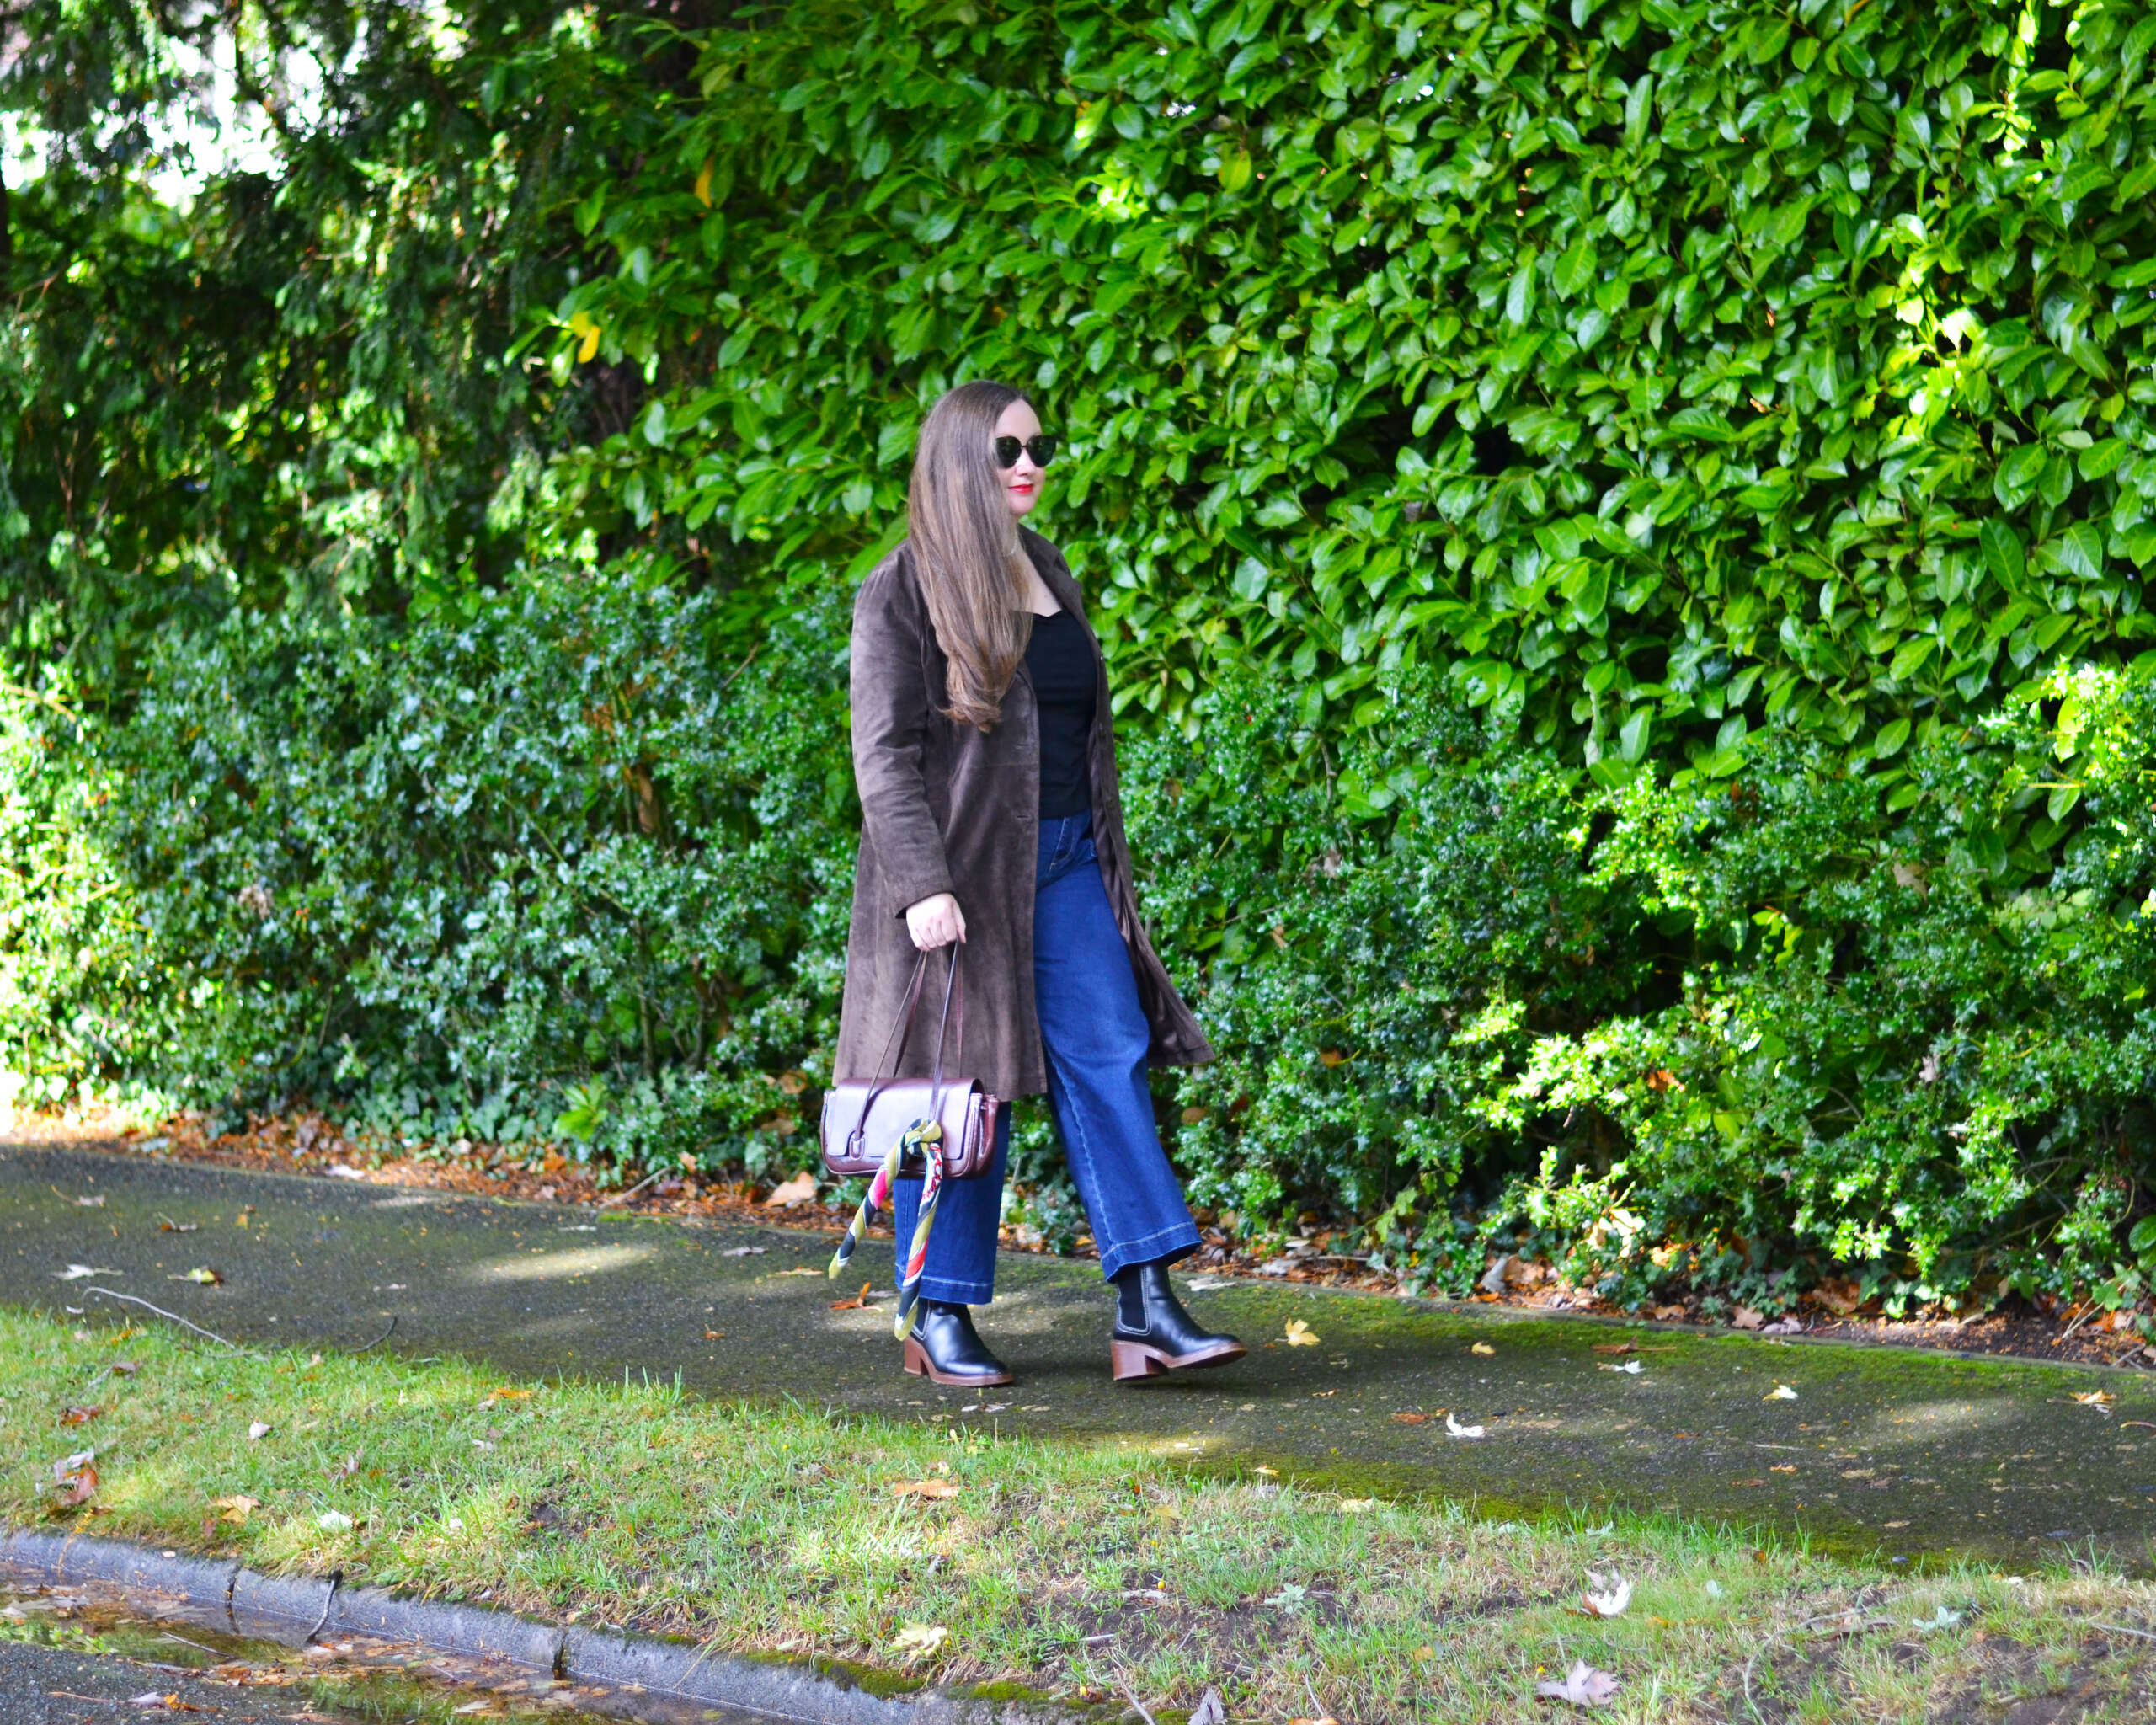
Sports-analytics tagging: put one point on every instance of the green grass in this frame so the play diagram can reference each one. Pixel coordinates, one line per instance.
(1088, 1572)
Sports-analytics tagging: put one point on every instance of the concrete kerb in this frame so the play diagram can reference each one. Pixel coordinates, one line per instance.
(293, 1610)
(69, 1560)
(453, 1629)
(784, 1692)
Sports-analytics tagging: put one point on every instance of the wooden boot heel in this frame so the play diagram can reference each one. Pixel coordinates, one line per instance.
(1134, 1360)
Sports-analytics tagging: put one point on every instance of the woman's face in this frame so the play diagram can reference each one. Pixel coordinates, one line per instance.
(1021, 482)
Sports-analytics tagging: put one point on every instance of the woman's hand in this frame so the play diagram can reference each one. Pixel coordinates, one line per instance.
(936, 922)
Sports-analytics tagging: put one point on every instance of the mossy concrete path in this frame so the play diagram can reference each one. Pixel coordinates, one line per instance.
(1901, 1453)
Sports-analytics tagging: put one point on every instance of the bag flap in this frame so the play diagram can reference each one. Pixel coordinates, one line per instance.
(897, 1106)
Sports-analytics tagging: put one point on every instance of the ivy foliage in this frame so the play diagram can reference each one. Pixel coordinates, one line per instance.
(1660, 372)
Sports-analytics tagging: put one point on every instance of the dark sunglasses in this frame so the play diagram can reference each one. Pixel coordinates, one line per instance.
(1042, 449)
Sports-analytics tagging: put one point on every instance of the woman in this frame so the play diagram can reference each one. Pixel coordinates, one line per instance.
(990, 824)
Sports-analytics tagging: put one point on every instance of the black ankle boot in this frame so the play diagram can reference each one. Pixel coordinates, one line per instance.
(945, 1349)
(1153, 1333)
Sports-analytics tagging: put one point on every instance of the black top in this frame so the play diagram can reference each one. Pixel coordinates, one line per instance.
(1061, 662)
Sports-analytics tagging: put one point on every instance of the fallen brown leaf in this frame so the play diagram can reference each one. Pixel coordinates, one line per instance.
(1410, 1419)
(79, 1416)
(205, 1276)
(855, 1304)
(1616, 1347)
(800, 1189)
(76, 1477)
(237, 1508)
(926, 1489)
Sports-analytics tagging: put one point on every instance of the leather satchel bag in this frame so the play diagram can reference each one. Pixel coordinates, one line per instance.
(864, 1118)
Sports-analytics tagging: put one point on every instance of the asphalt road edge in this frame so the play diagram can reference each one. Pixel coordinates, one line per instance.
(294, 1610)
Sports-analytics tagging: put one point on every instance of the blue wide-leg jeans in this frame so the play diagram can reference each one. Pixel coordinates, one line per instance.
(1095, 1037)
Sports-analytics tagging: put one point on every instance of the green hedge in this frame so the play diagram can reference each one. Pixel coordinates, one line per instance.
(564, 867)
(552, 855)
(1619, 532)
(1660, 372)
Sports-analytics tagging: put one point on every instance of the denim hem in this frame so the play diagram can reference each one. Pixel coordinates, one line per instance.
(1170, 1243)
(955, 1293)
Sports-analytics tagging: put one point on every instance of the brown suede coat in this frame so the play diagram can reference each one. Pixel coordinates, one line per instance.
(945, 809)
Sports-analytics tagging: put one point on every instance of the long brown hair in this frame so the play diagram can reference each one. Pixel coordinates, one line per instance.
(968, 552)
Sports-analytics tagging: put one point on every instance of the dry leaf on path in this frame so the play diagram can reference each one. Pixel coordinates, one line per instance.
(2096, 1398)
(1410, 1419)
(1300, 1335)
(860, 1299)
(926, 1489)
(1616, 1347)
(1583, 1686)
(79, 1416)
(205, 1276)
(1781, 1393)
(800, 1189)
(801, 1269)
(1456, 1429)
(1210, 1710)
(237, 1508)
(1482, 1348)
(1607, 1595)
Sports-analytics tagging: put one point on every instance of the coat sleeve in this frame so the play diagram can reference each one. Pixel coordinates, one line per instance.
(890, 728)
